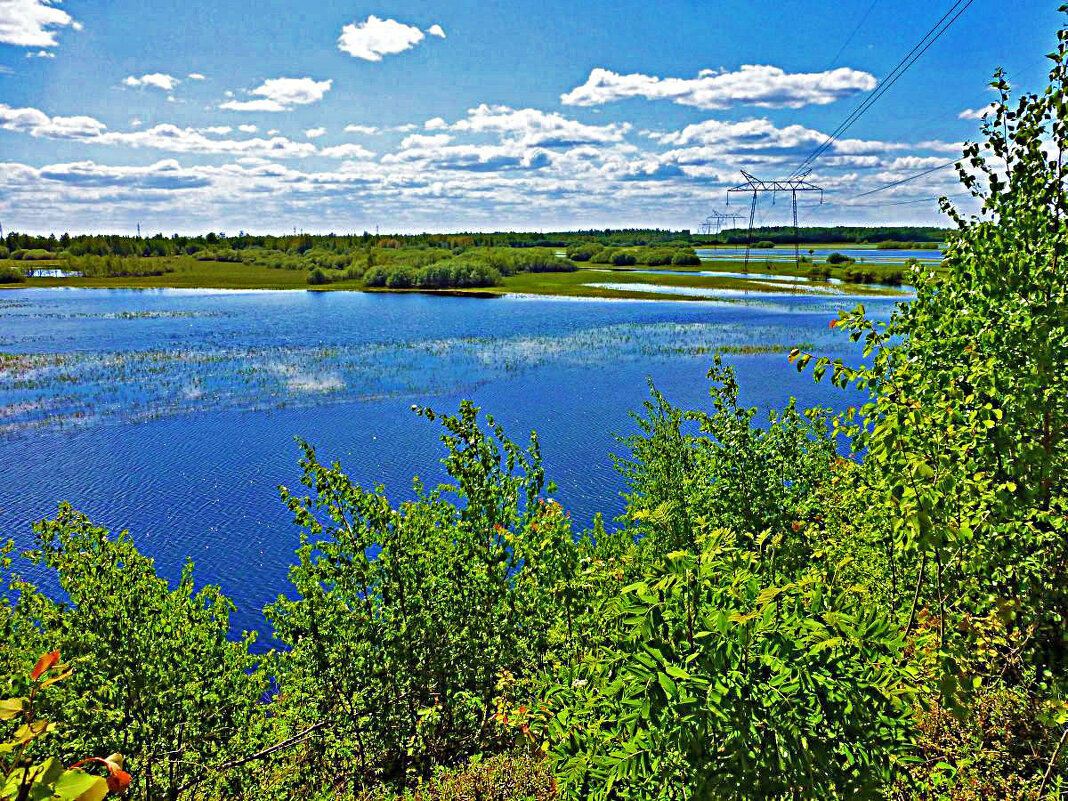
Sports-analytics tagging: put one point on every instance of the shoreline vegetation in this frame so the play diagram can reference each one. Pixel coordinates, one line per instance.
(574, 265)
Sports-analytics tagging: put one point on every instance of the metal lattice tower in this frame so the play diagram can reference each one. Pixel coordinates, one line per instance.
(715, 222)
(793, 185)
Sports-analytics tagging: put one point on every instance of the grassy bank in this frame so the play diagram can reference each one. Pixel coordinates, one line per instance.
(238, 275)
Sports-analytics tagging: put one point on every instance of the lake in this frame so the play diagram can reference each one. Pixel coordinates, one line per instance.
(785, 253)
(174, 413)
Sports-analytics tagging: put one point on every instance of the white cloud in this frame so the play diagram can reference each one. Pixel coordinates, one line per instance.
(315, 133)
(374, 38)
(422, 140)
(216, 130)
(247, 128)
(157, 80)
(346, 151)
(196, 76)
(435, 124)
(281, 94)
(362, 129)
(41, 54)
(758, 85)
(977, 113)
(38, 124)
(534, 127)
(253, 105)
(32, 23)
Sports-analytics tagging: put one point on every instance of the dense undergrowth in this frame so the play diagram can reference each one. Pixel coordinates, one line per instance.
(770, 619)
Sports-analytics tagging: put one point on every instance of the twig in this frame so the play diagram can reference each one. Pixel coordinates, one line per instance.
(296, 739)
(1052, 764)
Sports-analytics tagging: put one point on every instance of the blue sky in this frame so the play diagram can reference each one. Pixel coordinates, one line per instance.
(261, 116)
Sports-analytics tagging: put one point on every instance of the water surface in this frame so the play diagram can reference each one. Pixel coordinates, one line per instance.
(174, 413)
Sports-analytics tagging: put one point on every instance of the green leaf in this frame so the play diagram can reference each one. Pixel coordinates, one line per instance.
(77, 785)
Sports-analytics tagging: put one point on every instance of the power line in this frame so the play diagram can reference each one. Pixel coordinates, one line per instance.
(906, 180)
(892, 77)
(854, 33)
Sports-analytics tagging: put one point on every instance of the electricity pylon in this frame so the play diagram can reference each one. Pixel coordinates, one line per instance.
(793, 185)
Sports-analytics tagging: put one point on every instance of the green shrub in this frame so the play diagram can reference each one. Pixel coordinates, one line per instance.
(317, 277)
(709, 659)
(33, 255)
(686, 259)
(583, 251)
(623, 259)
(402, 619)
(375, 277)
(764, 244)
(401, 278)
(838, 258)
(11, 275)
(154, 669)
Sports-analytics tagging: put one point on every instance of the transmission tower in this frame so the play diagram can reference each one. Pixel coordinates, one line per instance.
(715, 222)
(793, 185)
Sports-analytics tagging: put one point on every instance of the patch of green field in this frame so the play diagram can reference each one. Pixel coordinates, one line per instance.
(236, 275)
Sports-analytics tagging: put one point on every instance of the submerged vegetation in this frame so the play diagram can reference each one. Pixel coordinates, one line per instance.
(871, 605)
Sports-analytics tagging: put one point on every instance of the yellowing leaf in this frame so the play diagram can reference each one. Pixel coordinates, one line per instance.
(12, 707)
(77, 785)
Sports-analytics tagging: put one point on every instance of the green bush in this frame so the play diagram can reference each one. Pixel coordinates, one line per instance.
(11, 275)
(838, 258)
(717, 678)
(764, 244)
(687, 259)
(624, 259)
(317, 277)
(583, 251)
(33, 255)
(154, 669)
(403, 618)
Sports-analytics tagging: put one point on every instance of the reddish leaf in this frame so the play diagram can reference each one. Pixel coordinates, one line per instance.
(119, 781)
(46, 662)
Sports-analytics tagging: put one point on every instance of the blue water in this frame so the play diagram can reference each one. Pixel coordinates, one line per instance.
(173, 413)
(786, 253)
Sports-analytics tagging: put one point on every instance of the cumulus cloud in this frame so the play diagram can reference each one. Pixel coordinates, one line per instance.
(314, 133)
(423, 140)
(346, 151)
(196, 76)
(167, 174)
(247, 128)
(281, 94)
(976, 113)
(362, 129)
(534, 127)
(32, 23)
(170, 137)
(374, 38)
(157, 80)
(752, 84)
(41, 54)
(38, 124)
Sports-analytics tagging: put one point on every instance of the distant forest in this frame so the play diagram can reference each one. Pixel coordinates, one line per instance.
(160, 245)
